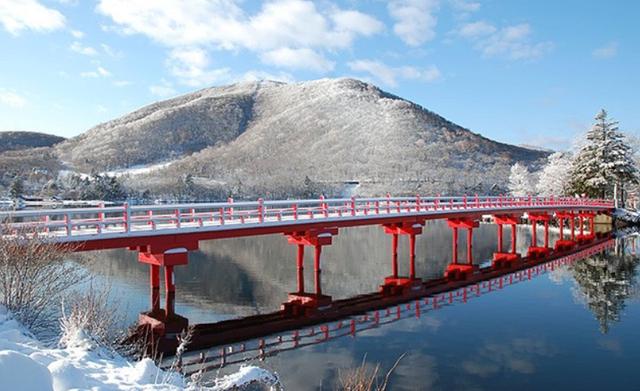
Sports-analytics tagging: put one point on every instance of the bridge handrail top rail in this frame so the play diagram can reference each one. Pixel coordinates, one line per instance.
(300, 202)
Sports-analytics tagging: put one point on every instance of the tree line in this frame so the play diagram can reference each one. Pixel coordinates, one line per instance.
(603, 165)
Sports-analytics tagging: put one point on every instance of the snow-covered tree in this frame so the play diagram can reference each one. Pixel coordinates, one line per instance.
(520, 183)
(605, 160)
(556, 175)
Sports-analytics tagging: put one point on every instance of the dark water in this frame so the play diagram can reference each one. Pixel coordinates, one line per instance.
(576, 327)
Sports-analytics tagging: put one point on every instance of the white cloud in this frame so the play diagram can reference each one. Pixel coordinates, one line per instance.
(390, 75)
(99, 72)
(356, 22)
(77, 34)
(476, 29)
(108, 50)
(222, 23)
(285, 33)
(11, 99)
(101, 109)
(607, 51)
(303, 58)
(415, 21)
(86, 50)
(464, 6)
(191, 67)
(19, 15)
(513, 42)
(163, 90)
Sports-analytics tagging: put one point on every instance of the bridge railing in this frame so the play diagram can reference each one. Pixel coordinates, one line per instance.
(126, 218)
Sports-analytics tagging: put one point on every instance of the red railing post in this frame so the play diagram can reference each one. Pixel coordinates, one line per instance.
(388, 203)
(260, 210)
(295, 211)
(417, 203)
(353, 206)
(465, 201)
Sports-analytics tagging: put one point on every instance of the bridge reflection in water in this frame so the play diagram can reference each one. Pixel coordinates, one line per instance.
(374, 310)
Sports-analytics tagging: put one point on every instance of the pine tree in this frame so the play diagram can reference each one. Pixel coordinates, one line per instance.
(603, 161)
(520, 181)
(17, 187)
(556, 175)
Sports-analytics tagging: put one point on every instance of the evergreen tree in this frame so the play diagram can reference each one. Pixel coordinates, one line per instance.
(17, 187)
(520, 181)
(556, 175)
(603, 161)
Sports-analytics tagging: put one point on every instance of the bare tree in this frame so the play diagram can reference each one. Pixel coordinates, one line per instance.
(34, 273)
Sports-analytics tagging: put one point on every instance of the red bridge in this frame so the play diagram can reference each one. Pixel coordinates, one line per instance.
(163, 235)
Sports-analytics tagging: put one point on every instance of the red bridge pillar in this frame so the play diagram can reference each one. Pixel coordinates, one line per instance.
(302, 302)
(500, 258)
(166, 255)
(396, 284)
(563, 244)
(584, 238)
(535, 251)
(455, 270)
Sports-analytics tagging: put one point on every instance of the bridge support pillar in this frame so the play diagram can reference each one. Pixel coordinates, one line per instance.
(506, 259)
(535, 251)
(302, 302)
(164, 325)
(583, 237)
(396, 284)
(455, 270)
(561, 243)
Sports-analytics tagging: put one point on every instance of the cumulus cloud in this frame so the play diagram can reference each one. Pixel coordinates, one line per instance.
(513, 42)
(287, 33)
(415, 20)
(607, 51)
(464, 6)
(12, 99)
(19, 15)
(390, 75)
(77, 34)
(192, 67)
(303, 58)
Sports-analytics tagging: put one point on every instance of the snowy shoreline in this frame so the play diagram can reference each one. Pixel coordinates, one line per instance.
(26, 364)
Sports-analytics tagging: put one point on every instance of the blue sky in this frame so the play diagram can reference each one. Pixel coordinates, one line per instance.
(523, 72)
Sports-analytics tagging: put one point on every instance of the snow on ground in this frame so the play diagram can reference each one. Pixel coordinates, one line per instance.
(26, 364)
(133, 170)
(138, 169)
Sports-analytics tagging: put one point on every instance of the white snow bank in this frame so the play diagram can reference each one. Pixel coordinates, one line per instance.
(27, 365)
(20, 372)
(246, 375)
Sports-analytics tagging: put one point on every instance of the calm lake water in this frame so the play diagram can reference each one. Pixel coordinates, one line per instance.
(576, 327)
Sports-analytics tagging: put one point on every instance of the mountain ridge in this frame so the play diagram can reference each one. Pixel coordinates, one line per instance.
(267, 138)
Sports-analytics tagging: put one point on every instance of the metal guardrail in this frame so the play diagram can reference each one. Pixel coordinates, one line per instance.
(96, 222)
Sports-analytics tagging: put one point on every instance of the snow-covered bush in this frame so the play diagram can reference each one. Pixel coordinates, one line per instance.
(556, 175)
(88, 317)
(520, 183)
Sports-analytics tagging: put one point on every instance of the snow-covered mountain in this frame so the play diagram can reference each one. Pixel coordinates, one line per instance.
(261, 136)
